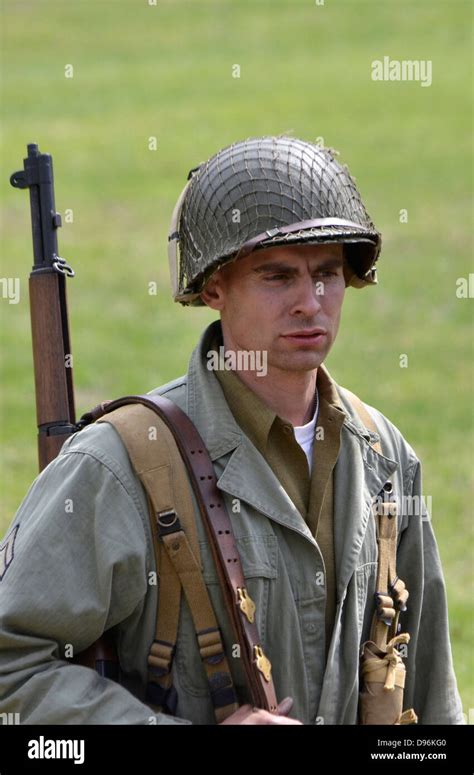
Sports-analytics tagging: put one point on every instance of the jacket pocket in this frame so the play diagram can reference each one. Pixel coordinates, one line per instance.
(259, 557)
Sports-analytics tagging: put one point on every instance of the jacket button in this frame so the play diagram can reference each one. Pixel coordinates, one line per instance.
(287, 429)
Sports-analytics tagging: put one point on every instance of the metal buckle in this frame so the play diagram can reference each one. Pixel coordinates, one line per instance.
(246, 604)
(263, 663)
(162, 515)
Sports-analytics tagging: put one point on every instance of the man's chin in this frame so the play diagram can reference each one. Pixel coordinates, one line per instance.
(300, 361)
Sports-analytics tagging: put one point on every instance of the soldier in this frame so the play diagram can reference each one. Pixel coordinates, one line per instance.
(268, 233)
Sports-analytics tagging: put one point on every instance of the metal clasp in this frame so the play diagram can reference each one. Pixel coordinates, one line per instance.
(246, 604)
(272, 232)
(61, 266)
(263, 663)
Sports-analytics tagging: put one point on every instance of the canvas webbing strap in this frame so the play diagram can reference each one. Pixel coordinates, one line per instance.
(158, 464)
(391, 592)
(240, 607)
(365, 417)
(383, 672)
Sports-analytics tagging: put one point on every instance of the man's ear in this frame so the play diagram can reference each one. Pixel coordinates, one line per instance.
(212, 294)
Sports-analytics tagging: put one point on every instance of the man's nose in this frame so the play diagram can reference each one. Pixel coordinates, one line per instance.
(307, 299)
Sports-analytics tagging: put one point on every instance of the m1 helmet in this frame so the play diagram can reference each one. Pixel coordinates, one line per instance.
(264, 192)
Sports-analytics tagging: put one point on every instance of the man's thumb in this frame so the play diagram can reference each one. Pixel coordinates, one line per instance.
(284, 707)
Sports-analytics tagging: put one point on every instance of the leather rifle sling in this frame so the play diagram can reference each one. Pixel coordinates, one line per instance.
(240, 607)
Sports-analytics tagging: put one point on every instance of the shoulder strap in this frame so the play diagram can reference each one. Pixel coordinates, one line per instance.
(159, 466)
(365, 417)
(391, 595)
(199, 467)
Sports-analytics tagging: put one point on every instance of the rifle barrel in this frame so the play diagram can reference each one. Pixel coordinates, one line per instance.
(52, 356)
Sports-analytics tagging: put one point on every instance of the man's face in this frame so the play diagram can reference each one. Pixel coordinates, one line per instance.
(285, 300)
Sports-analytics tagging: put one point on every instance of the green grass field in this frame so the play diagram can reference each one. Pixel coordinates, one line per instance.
(165, 71)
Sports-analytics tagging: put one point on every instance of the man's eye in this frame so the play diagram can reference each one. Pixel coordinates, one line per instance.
(326, 273)
(277, 277)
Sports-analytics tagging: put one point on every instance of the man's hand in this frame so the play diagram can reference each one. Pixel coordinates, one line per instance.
(248, 715)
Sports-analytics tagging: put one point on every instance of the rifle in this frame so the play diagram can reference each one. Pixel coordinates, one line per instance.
(52, 357)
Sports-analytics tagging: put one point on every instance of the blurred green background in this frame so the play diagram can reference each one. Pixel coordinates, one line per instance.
(142, 70)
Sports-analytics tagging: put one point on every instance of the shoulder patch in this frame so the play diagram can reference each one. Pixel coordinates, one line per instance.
(7, 551)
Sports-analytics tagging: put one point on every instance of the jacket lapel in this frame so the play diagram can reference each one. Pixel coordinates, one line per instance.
(248, 476)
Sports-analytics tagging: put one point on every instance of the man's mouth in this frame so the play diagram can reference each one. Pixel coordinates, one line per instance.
(306, 336)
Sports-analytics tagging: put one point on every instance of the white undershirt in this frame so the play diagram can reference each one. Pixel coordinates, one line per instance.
(304, 435)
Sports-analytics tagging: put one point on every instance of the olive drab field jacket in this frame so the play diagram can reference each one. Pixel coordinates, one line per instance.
(78, 560)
